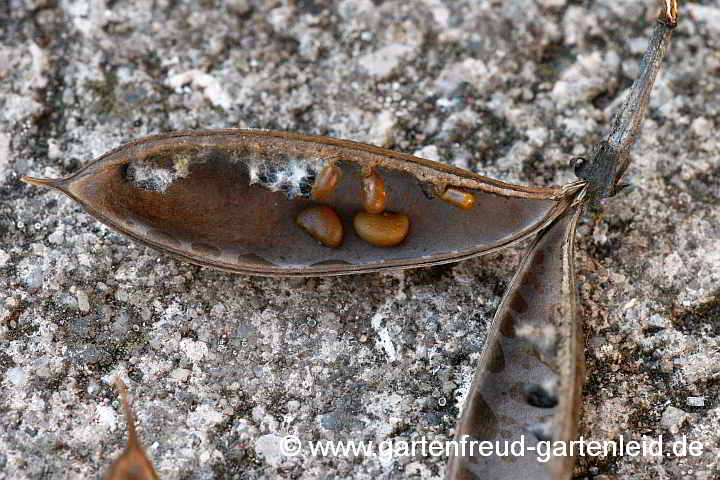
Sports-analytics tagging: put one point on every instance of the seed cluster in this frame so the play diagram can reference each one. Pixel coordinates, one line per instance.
(373, 224)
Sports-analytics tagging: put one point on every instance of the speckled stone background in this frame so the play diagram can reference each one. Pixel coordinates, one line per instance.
(222, 366)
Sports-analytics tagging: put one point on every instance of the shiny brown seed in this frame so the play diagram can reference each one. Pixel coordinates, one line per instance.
(323, 224)
(460, 199)
(325, 183)
(133, 464)
(382, 229)
(374, 195)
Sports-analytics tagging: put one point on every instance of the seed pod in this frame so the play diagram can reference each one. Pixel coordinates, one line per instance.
(531, 369)
(323, 224)
(382, 229)
(460, 199)
(229, 199)
(325, 183)
(374, 194)
(133, 464)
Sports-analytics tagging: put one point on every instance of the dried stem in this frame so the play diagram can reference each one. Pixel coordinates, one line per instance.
(611, 157)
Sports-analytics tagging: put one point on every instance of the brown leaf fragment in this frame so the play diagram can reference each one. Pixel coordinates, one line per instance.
(133, 464)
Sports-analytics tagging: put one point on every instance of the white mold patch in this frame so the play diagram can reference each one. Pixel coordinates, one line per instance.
(294, 176)
(153, 177)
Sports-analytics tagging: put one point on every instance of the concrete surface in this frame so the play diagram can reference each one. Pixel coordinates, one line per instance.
(221, 367)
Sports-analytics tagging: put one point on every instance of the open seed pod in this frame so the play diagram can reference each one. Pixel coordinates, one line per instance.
(528, 388)
(229, 199)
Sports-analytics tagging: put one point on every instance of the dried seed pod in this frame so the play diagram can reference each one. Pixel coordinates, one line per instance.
(531, 369)
(460, 199)
(228, 199)
(325, 183)
(382, 229)
(133, 464)
(374, 194)
(323, 224)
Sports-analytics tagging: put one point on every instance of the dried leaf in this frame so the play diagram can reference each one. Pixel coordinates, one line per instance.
(133, 464)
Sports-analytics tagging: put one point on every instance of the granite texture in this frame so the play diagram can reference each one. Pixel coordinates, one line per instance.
(221, 366)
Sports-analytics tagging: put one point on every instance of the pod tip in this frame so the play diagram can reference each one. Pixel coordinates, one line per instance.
(42, 182)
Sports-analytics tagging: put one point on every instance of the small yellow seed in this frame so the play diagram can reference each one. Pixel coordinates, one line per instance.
(325, 183)
(323, 224)
(460, 199)
(374, 195)
(382, 229)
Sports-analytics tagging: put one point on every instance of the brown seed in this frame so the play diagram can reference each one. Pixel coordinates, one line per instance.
(382, 229)
(374, 195)
(460, 199)
(325, 183)
(323, 224)
(133, 464)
